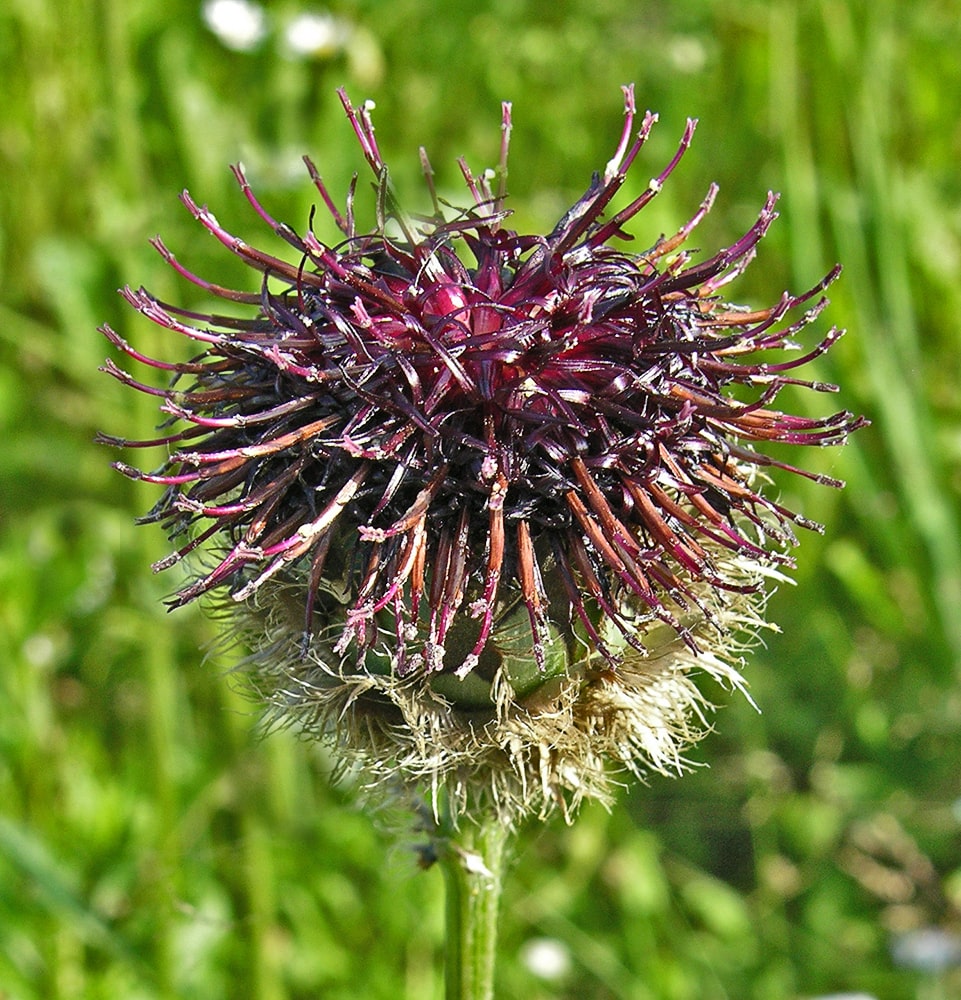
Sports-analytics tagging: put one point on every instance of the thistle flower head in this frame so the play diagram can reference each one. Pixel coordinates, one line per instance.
(484, 501)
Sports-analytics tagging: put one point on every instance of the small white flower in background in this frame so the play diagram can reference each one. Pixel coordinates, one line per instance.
(928, 949)
(846, 996)
(315, 35)
(547, 958)
(239, 24)
(687, 53)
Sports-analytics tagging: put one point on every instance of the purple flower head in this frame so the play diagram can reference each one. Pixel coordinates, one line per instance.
(452, 445)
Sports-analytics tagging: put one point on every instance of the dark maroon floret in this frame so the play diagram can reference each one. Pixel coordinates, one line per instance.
(443, 418)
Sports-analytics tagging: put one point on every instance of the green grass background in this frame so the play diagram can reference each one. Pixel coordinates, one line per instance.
(152, 843)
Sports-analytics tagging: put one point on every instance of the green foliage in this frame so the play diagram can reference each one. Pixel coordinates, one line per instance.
(152, 843)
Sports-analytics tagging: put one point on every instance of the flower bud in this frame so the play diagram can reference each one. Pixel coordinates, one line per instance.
(484, 504)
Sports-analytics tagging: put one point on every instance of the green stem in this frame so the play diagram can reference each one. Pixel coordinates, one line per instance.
(472, 860)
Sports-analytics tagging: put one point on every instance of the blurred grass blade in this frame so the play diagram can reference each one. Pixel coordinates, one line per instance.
(54, 887)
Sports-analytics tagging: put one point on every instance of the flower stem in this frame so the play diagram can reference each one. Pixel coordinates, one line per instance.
(472, 859)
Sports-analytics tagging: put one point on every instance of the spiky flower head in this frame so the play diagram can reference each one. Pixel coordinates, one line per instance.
(485, 502)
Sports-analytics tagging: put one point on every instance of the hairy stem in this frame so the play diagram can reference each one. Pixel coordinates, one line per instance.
(472, 859)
